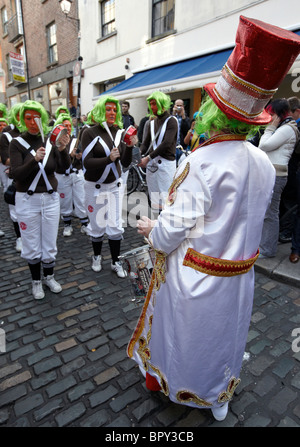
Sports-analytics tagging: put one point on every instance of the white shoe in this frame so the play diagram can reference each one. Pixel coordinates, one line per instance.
(1, 233)
(68, 230)
(37, 290)
(53, 285)
(96, 263)
(84, 229)
(220, 413)
(118, 268)
(19, 244)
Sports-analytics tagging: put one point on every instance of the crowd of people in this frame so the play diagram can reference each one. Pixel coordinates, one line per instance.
(217, 184)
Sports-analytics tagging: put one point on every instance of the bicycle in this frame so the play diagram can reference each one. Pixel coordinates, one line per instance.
(136, 179)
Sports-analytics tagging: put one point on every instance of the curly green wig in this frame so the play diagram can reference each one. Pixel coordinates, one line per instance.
(99, 111)
(61, 109)
(3, 109)
(163, 102)
(13, 114)
(63, 117)
(211, 119)
(37, 107)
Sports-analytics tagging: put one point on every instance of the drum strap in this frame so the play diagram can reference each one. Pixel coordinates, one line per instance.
(72, 145)
(8, 136)
(42, 165)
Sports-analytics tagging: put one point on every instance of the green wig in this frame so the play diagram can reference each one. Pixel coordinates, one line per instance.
(63, 117)
(211, 119)
(37, 107)
(163, 102)
(99, 111)
(3, 109)
(3, 120)
(61, 109)
(12, 114)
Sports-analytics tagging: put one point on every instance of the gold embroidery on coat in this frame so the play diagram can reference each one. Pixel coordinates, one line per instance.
(176, 183)
(163, 382)
(159, 269)
(144, 352)
(185, 396)
(225, 396)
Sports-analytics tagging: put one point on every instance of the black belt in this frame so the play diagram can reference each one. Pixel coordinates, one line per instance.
(30, 192)
(98, 186)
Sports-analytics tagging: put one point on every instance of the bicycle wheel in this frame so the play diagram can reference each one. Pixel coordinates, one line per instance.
(132, 180)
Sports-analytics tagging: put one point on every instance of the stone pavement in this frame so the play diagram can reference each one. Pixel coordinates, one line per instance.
(65, 363)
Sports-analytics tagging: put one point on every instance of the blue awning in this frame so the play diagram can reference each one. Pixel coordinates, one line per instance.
(189, 69)
(184, 75)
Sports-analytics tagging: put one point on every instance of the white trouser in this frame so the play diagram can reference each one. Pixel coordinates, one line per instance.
(159, 176)
(38, 217)
(71, 193)
(104, 209)
(3, 176)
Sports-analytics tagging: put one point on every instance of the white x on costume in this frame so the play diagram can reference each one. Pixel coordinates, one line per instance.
(193, 328)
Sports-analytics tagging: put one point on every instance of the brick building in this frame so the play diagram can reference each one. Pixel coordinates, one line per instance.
(49, 42)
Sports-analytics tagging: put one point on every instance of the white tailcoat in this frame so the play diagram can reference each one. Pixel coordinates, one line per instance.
(192, 332)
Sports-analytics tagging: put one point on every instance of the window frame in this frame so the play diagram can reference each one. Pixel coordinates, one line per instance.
(52, 47)
(4, 20)
(165, 28)
(106, 25)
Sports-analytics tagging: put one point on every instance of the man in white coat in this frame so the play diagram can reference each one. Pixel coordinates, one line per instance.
(190, 338)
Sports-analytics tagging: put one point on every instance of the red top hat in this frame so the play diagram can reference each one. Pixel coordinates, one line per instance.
(258, 64)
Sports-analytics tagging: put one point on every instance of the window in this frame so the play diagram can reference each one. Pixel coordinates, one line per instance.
(163, 12)
(108, 17)
(52, 45)
(4, 20)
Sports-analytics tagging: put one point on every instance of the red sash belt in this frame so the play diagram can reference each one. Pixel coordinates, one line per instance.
(215, 266)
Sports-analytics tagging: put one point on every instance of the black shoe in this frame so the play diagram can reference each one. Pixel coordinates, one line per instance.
(284, 239)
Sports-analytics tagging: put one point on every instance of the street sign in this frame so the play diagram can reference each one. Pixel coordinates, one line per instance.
(17, 66)
(77, 73)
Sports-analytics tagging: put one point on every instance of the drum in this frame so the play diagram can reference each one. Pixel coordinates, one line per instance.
(139, 264)
(56, 133)
(130, 131)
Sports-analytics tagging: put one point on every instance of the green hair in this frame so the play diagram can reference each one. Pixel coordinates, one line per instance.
(3, 119)
(90, 118)
(213, 119)
(63, 117)
(58, 111)
(37, 107)
(12, 114)
(3, 109)
(163, 102)
(99, 111)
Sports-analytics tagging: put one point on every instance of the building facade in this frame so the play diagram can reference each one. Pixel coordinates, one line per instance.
(135, 47)
(47, 41)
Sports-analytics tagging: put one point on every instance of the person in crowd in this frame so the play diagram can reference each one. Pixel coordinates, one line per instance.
(158, 149)
(71, 184)
(72, 109)
(61, 109)
(142, 127)
(184, 124)
(104, 153)
(33, 164)
(3, 110)
(128, 119)
(294, 103)
(278, 141)
(10, 132)
(3, 168)
(190, 338)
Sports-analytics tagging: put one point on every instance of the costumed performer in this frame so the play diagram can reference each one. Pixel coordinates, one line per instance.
(190, 339)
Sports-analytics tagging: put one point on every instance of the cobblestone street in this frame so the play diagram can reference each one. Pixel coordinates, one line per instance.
(66, 365)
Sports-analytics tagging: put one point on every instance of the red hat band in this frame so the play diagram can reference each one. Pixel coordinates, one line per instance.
(246, 99)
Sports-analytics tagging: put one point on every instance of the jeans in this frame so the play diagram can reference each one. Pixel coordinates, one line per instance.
(296, 231)
(270, 231)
